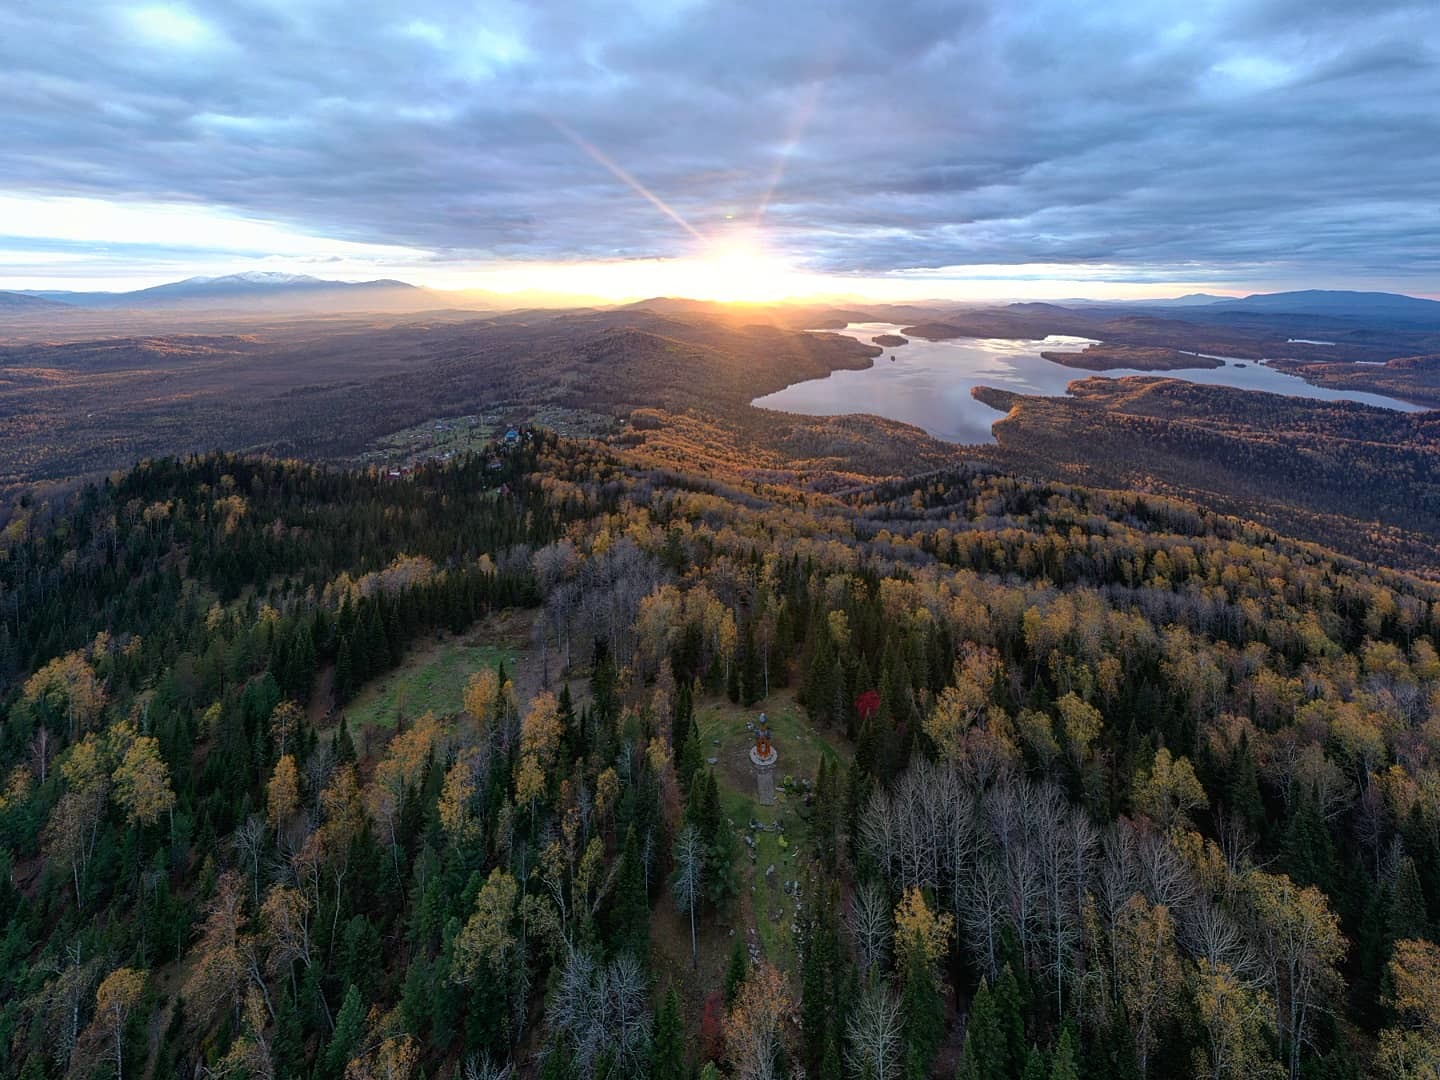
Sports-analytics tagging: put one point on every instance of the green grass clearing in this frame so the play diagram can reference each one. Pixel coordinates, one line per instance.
(725, 738)
(452, 436)
(431, 678)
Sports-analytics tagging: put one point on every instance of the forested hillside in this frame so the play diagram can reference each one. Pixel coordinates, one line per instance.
(1072, 783)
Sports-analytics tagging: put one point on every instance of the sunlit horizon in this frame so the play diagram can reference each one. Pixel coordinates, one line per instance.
(76, 244)
(734, 277)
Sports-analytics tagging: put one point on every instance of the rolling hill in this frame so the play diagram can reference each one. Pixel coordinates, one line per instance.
(14, 301)
(259, 290)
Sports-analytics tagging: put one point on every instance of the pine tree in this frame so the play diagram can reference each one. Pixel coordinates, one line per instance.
(720, 880)
(682, 717)
(673, 554)
(344, 671)
(924, 1011)
(349, 1029)
(362, 957)
(700, 810)
(818, 691)
(830, 1063)
(825, 814)
(1010, 1010)
(1062, 1064)
(343, 745)
(1034, 1065)
(570, 738)
(394, 633)
(1408, 917)
(630, 910)
(602, 683)
(1308, 851)
(752, 678)
(1243, 788)
(289, 1043)
(819, 974)
(985, 1055)
(689, 762)
(667, 1049)
(737, 972)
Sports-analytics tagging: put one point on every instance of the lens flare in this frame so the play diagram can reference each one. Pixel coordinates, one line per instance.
(624, 177)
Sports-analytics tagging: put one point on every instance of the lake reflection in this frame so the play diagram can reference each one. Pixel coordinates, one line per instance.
(928, 382)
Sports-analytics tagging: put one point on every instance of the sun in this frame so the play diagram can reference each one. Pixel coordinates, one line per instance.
(739, 271)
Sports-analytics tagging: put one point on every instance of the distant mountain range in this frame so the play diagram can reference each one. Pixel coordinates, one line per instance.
(259, 289)
(1339, 303)
(14, 301)
(1313, 305)
(265, 291)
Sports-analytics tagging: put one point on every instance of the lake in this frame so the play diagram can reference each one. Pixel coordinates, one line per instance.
(928, 383)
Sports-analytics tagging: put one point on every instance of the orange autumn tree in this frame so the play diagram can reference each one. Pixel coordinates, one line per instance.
(757, 1026)
(115, 1000)
(398, 772)
(486, 938)
(1411, 1049)
(67, 686)
(142, 782)
(1147, 966)
(540, 734)
(457, 803)
(282, 794)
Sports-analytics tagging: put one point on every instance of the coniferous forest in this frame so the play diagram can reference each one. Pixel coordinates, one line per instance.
(1072, 783)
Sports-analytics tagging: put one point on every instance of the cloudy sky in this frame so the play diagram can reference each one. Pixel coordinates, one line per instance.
(998, 147)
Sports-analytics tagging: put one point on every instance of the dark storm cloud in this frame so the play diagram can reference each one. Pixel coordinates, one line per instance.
(1291, 140)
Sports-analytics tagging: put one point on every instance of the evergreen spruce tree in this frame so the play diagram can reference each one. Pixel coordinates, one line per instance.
(1408, 917)
(349, 1029)
(818, 691)
(673, 554)
(362, 957)
(667, 1048)
(1010, 1010)
(344, 671)
(630, 910)
(344, 746)
(830, 1063)
(1308, 851)
(720, 882)
(1034, 1065)
(985, 1055)
(737, 972)
(556, 1063)
(1243, 788)
(752, 676)
(924, 1011)
(690, 761)
(682, 717)
(570, 737)
(1063, 1065)
(824, 814)
(288, 1046)
(602, 689)
(821, 973)
(377, 650)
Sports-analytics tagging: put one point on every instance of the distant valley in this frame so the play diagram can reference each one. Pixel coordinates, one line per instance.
(84, 391)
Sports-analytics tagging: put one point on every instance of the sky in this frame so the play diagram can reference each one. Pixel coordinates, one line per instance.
(743, 150)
